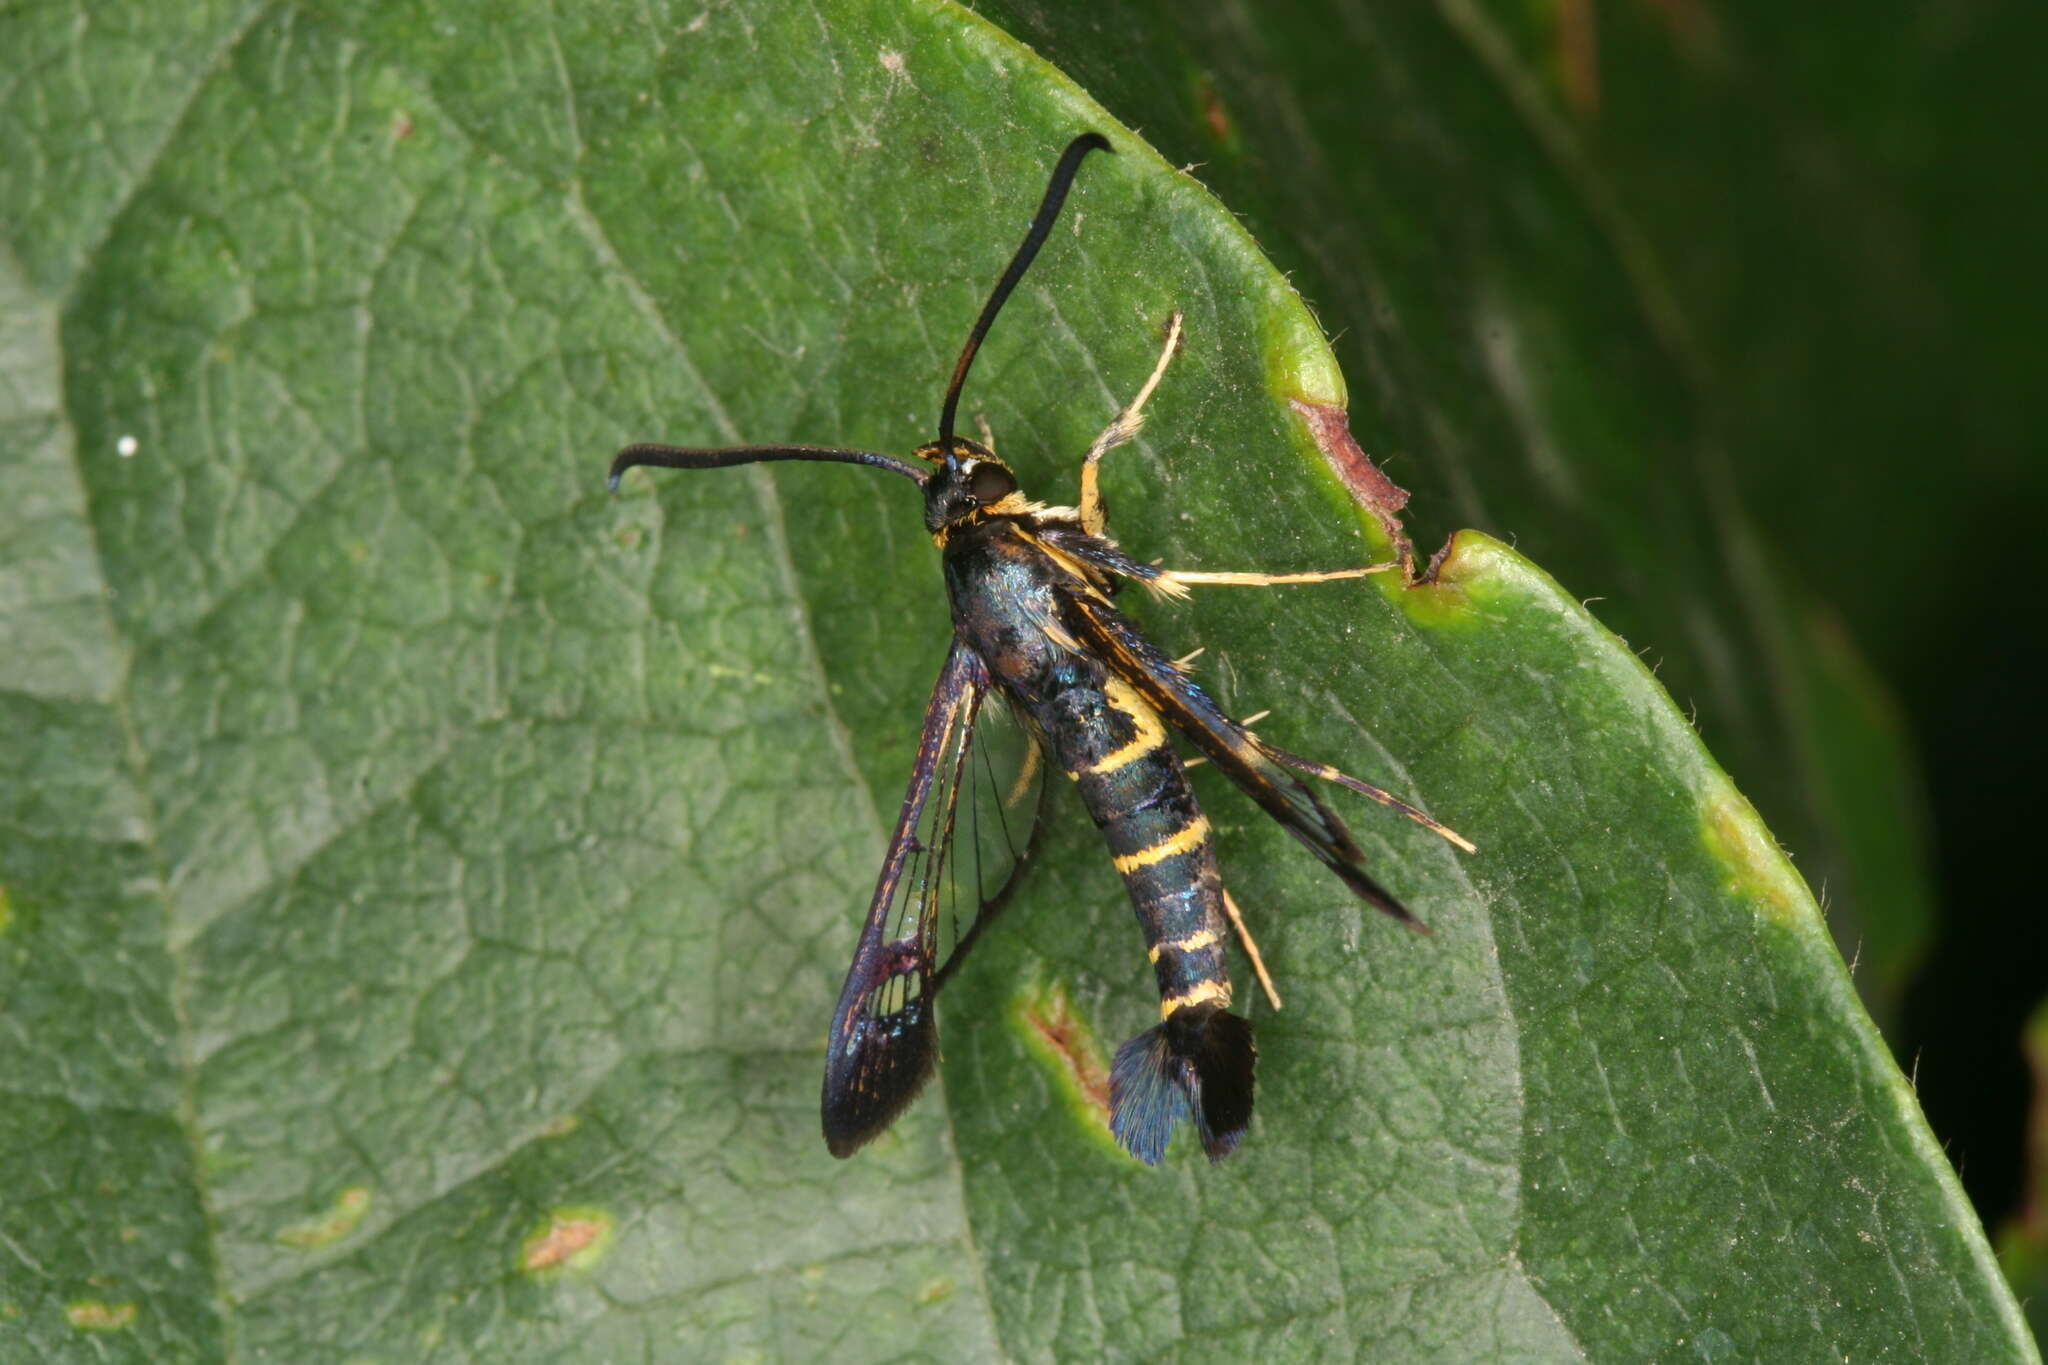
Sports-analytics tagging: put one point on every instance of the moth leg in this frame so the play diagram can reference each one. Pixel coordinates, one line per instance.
(1198, 760)
(988, 436)
(1118, 432)
(1176, 582)
(1022, 785)
(1251, 949)
(1379, 794)
(1104, 554)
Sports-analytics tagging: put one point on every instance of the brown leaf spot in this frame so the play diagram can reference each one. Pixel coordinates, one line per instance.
(1068, 1041)
(324, 1229)
(576, 1238)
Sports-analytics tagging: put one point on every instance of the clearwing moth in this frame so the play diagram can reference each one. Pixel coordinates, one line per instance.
(1031, 589)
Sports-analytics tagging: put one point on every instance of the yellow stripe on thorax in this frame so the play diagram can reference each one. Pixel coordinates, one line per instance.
(1201, 993)
(1191, 836)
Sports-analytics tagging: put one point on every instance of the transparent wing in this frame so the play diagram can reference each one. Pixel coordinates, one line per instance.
(964, 837)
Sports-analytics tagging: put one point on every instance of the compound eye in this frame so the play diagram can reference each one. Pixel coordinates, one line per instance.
(989, 482)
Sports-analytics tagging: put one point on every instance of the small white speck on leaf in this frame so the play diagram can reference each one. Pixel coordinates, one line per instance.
(127, 446)
(892, 62)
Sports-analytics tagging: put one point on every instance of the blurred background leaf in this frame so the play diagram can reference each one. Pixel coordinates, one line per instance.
(427, 879)
(2023, 1240)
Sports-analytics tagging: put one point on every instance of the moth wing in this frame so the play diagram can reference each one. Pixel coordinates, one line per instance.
(1235, 750)
(950, 867)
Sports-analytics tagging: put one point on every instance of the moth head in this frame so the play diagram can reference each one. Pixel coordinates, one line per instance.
(967, 481)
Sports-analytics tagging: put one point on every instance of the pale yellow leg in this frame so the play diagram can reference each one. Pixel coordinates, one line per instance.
(1171, 579)
(1379, 794)
(1118, 432)
(1024, 776)
(1251, 949)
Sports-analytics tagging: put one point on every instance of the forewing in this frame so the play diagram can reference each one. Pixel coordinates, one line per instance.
(1232, 748)
(965, 834)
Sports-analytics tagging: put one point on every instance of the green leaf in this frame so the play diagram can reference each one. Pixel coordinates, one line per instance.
(427, 878)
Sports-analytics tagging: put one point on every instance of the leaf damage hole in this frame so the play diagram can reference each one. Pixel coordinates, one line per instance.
(1373, 490)
(1070, 1046)
(575, 1238)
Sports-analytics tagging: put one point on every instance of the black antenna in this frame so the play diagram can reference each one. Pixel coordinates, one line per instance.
(1034, 238)
(690, 457)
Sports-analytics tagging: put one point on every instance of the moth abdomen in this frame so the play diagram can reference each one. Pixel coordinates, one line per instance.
(1196, 1064)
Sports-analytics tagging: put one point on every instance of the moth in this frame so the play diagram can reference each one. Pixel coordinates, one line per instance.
(1036, 629)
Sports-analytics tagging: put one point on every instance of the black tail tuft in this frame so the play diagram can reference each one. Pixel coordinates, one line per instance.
(1197, 1064)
